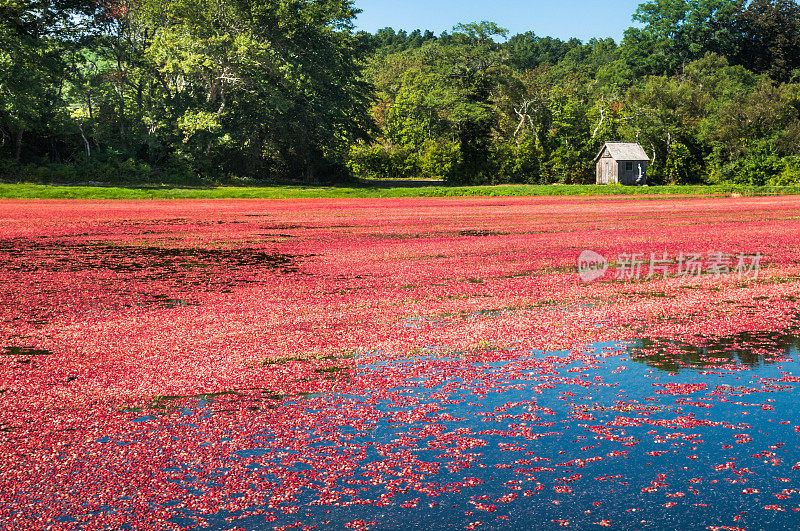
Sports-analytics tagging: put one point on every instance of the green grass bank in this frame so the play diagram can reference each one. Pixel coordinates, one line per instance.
(39, 191)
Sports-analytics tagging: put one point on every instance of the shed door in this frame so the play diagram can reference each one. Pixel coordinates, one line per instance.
(607, 171)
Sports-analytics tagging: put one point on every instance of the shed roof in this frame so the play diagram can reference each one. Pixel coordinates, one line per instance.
(624, 151)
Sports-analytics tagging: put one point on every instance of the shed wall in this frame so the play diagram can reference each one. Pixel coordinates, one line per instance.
(631, 177)
(607, 170)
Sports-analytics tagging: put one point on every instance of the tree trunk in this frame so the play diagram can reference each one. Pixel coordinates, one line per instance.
(55, 158)
(18, 146)
(602, 117)
(213, 91)
(85, 141)
(40, 23)
(122, 134)
(120, 90)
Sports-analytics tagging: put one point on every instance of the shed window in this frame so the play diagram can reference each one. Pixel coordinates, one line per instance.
(629, 166)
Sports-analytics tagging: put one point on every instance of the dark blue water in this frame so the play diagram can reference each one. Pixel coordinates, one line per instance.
(646, 435)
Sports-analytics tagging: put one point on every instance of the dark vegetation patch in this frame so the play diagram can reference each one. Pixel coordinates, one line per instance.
(24, 255)
(54, 274)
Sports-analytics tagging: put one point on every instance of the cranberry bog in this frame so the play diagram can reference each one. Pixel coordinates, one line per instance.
(400, 363)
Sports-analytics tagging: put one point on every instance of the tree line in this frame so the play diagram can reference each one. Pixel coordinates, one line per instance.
(204, 90)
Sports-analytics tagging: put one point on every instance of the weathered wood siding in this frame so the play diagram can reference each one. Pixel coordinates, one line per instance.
(607, 170)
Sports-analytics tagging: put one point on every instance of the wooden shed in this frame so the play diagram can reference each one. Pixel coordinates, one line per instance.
(622, 163)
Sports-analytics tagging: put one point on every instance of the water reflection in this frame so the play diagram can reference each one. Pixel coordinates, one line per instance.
(748, 349)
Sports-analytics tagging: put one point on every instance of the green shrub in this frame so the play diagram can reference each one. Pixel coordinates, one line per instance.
(789, 173)
(517, 163)
(440, 160)
(527, 158)
(756, 166)
(681, 166)
(381, 161)
(568, 165)
(504, 159)
(109, 170)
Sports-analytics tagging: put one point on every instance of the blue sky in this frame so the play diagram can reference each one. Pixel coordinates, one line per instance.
(557, 18)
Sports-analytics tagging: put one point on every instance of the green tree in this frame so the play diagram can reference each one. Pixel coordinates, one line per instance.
(35, 35)
(769, 37)
(527, 50)
(677, 32)
(443, 94)
(262, 87)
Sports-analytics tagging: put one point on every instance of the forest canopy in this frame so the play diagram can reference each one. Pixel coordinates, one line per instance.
(214, 90)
